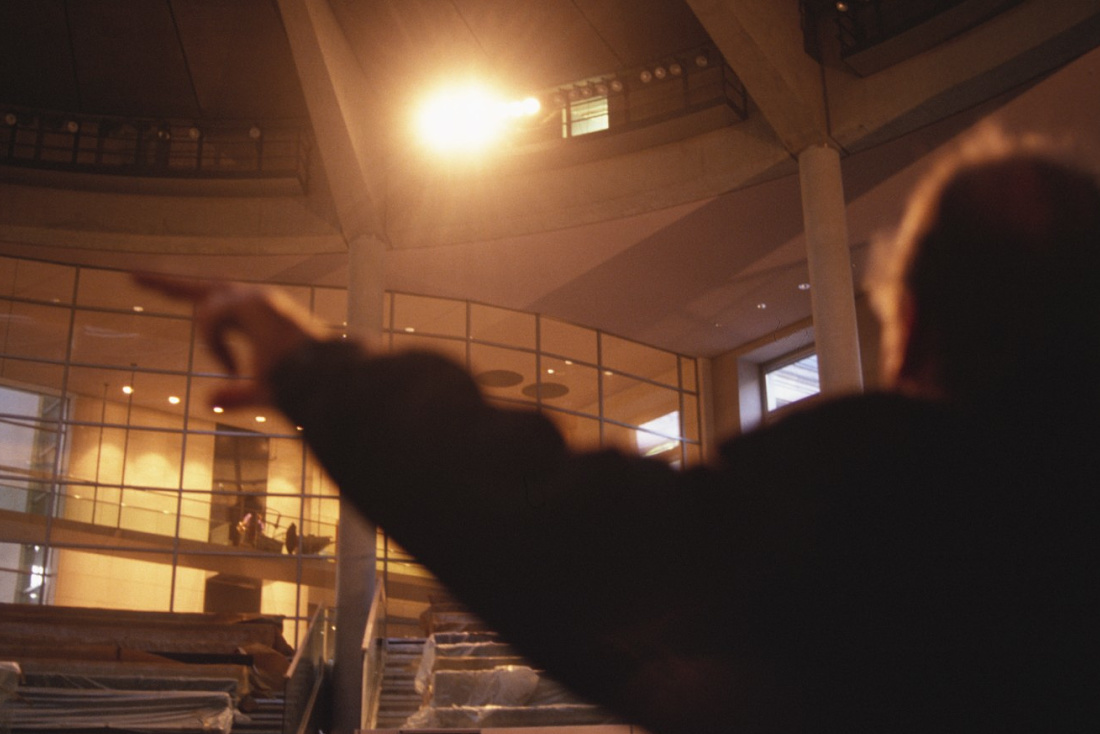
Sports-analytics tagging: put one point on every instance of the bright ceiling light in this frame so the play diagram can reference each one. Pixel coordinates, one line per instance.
(469, 118)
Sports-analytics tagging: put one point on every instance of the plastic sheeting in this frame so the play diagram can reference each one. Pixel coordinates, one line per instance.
(487, 650)
(452, 717)
(464, 685)
(507, 686)
(135, 711)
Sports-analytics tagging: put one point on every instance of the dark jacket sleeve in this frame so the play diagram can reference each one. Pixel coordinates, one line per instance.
(578, 559)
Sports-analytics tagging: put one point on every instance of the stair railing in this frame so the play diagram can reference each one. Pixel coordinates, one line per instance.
(306, 674)
(374, 657)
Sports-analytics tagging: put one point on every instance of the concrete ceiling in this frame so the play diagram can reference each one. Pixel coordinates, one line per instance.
(674, 243)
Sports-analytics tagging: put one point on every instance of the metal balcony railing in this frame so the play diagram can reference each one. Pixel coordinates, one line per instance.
(153, 147)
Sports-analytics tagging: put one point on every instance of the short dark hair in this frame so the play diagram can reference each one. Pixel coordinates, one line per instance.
(999, 254)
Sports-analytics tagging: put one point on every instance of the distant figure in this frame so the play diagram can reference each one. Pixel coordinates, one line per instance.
(922, 559)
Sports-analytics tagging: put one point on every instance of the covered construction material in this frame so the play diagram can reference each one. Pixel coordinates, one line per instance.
(472, 679)
(156, 712)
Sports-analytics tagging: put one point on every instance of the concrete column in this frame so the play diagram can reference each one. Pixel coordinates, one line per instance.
(832, 295)
(356, 551)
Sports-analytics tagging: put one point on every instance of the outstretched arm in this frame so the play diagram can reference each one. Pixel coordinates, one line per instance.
(570, 556)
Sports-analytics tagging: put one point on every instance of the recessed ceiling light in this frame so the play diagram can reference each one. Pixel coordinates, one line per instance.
(549, 370)
(803, 286)
(174, 399)
(261, 419)
(761, 305)
(129, 390)
(218, 409)
(139, 309)
(409, 329)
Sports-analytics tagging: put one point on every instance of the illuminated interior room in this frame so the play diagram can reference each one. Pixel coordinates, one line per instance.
(622, 214)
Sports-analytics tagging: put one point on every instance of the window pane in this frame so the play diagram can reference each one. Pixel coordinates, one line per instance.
(691, 417)
(117, 290)
(634, 402)
(640, 360)
(127, 397)
(36, 281)
(791, 382)
(502, 326)
(565, 384)
(567, 340)
(131, 340)
(42, 375)
(91, 579)
(504, 373)
(32, 330)
(687, 373)
(421, 315)
(588, 116)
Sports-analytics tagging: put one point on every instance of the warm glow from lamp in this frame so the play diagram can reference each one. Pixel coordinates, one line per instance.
(469, 118)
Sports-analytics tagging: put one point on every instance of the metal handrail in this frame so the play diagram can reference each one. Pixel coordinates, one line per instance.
(305, 676)
(374, 657)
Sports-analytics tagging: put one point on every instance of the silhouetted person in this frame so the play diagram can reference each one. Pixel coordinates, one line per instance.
(915, 560)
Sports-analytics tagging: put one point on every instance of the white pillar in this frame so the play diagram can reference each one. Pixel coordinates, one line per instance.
(832, 296)
(356, 550)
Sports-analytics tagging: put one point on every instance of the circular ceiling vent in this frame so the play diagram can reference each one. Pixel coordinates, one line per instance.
(545, 390)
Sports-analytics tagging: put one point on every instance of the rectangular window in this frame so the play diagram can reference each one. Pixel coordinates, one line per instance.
(790, 379)
(585, 116)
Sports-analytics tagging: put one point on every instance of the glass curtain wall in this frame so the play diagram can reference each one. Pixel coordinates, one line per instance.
(121, 486)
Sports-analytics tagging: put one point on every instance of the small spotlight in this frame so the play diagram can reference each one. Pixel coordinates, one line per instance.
(72, 126)
(174, 399)
(675, 69)
(761, 305)
(254, 132)
(616, 85)
(601, 89)
(842, 7)
(261, 419)
(194, 133)
(702, 61)
(127, 389)
(139, 309)
(646, 76)
(10, 118)
(660, 72)
(218, 409)
(803, 286)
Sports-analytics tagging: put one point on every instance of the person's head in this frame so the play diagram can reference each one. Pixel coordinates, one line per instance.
(994, 284)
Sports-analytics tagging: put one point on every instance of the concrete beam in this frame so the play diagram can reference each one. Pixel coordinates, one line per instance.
(762, 41)
(337, 96)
